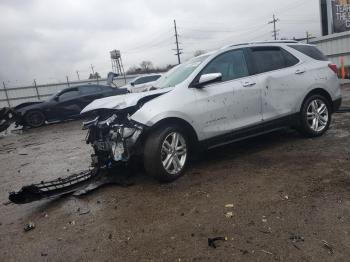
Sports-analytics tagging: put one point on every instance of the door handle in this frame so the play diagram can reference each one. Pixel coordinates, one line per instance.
(246, 84)
(300, 71)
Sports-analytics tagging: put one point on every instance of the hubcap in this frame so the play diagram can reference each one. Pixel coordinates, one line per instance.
(317, 115)
(174, 153)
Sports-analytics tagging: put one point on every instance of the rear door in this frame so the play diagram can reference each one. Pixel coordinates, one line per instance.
(89, 93)
(233, 103)
(281, 76)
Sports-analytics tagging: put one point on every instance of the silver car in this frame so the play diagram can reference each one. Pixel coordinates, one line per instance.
(217, 98)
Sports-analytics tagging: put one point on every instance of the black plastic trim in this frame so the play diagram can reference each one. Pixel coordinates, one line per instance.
(248, 132)
(336, 104)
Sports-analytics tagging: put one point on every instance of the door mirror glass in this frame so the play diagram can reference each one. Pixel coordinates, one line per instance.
(208, 79)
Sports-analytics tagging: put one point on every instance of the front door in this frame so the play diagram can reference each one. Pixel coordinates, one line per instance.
(233, 103)
(67, 104)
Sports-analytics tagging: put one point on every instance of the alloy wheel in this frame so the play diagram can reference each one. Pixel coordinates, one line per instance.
(317, 115)
(174, 153)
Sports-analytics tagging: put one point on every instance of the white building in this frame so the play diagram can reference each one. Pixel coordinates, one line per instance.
(335, 46)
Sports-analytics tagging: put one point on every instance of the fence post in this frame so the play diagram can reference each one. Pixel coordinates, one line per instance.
(7, 97)
(67, 81)
(36, 89)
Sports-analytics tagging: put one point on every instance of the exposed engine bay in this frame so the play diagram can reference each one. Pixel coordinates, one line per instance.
(114, 138)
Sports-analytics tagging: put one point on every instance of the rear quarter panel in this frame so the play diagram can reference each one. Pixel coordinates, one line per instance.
(319, 75)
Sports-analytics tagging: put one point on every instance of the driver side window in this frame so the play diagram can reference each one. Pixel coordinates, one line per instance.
(231, 65)
(68, 95)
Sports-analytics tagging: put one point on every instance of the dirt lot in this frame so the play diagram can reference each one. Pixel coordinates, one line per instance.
(289, 195)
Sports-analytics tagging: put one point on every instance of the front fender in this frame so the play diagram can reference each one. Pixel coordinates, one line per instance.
(145, 118)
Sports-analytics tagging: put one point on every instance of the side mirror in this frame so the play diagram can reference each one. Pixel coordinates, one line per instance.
(132, 83)
(207, 79)
(55, 98)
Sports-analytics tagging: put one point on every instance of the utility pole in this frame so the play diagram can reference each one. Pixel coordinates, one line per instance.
(274, 21)
(78, 75)
(178, 50)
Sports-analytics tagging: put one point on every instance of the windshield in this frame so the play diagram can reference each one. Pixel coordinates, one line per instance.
(51, 97)
(179, 73)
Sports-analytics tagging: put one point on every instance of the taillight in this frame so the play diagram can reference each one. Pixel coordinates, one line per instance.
(333, 67)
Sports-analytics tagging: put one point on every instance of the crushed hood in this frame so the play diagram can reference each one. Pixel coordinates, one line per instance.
(121, 101)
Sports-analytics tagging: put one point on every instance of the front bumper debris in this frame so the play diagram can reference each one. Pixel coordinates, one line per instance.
(52, 188)
(7, 117)
(78, 184)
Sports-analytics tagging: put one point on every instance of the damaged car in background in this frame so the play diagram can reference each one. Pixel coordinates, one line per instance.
(234, 93)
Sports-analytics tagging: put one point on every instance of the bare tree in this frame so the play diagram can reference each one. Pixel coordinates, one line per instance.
(95, 76)
(146, 66)
(198, 53)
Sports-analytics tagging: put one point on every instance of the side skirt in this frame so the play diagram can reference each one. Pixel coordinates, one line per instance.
(252, 131)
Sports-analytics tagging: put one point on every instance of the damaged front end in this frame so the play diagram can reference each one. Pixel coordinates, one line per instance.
(114, 137)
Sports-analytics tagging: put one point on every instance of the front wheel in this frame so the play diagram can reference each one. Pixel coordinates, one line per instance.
(34, 118)
(315, 116)
(166, 153)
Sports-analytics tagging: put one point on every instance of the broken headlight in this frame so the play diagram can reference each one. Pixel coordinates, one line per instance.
(108, 121)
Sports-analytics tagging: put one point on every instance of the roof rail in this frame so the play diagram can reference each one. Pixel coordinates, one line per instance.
(263, 42)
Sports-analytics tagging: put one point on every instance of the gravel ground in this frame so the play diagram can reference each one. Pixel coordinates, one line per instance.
(289, 195)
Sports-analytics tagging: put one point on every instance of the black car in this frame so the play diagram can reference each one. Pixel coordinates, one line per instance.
(67, 104)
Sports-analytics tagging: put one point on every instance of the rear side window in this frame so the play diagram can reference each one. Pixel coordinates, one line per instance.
(272, 58)
(310, 51)
(89, 89)
(153, 78)
(146, 79)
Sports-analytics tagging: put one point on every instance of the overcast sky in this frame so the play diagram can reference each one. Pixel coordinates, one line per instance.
(49, 40)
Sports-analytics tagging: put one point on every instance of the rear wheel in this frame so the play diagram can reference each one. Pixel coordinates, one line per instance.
(166, 153)
(34, 118)
(315, 116)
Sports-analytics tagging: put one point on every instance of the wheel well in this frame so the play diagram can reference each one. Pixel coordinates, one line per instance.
(34, 110)
(192, 135)
(320, 91)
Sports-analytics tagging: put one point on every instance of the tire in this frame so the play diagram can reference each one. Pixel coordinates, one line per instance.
(34, 118)
(315, 116)
(161, 160)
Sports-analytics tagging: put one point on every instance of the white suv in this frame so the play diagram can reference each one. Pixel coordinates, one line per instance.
(233, 93)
